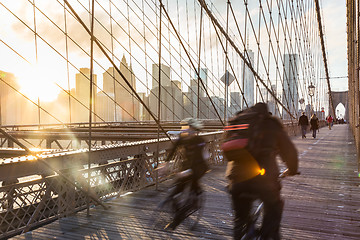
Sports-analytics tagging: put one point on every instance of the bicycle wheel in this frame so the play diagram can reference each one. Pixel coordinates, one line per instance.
(258, 214)
(195, 211)
(162, 215)
(256, 218)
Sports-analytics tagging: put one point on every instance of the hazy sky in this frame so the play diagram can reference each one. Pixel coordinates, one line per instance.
(334, 16)
(21, 39)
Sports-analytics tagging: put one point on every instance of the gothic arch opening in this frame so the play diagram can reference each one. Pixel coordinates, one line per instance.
(340, 111)
(340, 101)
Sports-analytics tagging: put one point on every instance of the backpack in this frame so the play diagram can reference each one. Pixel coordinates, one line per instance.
(240, 143)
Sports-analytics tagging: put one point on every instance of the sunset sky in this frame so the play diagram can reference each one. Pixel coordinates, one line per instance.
(49, 63)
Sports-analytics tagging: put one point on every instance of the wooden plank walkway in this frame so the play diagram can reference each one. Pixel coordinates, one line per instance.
(321, 203)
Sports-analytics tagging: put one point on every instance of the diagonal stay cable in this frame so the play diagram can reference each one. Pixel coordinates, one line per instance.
(204, 5)
(258, 42)
(231, 66)
(56, 52)
(172, 47)
(117, 69)
(36, 104)
(193, 65)
(119, 25)
(324, 53)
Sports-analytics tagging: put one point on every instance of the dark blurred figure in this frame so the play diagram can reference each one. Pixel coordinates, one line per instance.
(314, 124)
(271, 141)
(303, 122)
(329, 120)
(194, 162)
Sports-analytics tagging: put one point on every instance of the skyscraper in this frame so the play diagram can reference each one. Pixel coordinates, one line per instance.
(193, 95)
(143, 113)
(248, 80)
(196, 94)
(127, 106)
(165, 76)
(272, 102)
(82, 94)
(203, 75)
(234, 102)
(15, 106)
(171, 95)
(290, 93)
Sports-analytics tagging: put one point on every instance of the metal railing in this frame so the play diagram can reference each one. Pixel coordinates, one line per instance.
(32, 193)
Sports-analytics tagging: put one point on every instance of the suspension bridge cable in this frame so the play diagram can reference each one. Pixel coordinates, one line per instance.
(197, 73)
(324, 54)
(53, 49)
(203, 4)
(162, 72)
(117, 69)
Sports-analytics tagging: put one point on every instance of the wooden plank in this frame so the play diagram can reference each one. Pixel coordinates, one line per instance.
(321, 203)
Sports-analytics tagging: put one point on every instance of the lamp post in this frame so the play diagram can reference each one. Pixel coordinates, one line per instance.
(311, 89)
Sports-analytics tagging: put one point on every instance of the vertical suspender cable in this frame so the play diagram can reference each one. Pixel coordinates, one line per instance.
(356, 44)
(100, 46)
(36, 57)
(191, 62)
(129, 68)
(226, 59)
(91, 101)
(199, 70)
(244, 100)
(67, 62)
(159, 92)
(113, 69)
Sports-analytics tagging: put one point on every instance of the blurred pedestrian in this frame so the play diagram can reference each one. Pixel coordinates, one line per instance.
(303, 122)
(329, 120)
(314, 124)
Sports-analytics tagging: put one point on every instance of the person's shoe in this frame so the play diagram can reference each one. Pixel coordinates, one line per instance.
(304, 136)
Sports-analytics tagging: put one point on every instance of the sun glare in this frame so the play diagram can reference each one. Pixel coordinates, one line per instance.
(37, 81)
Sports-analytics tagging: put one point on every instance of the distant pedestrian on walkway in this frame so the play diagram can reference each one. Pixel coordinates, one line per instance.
(314, 124)
(303, 122)
(329, 120)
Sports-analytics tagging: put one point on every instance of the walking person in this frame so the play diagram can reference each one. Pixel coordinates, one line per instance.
(329, 120)
(314, 124)
(303, 122)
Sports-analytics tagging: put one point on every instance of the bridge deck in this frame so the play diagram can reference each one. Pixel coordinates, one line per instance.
(322, 203)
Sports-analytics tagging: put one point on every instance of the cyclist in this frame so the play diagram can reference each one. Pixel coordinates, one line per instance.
(193, 161)
(272, 140)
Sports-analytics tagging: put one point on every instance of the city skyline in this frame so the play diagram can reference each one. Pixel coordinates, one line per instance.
(112, 105)
(46, 56)
(46, 60)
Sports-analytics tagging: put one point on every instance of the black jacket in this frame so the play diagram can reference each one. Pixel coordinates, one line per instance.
(314, 122)
(193, 146)
(274, 141)
(303, 120)
(271, 140)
